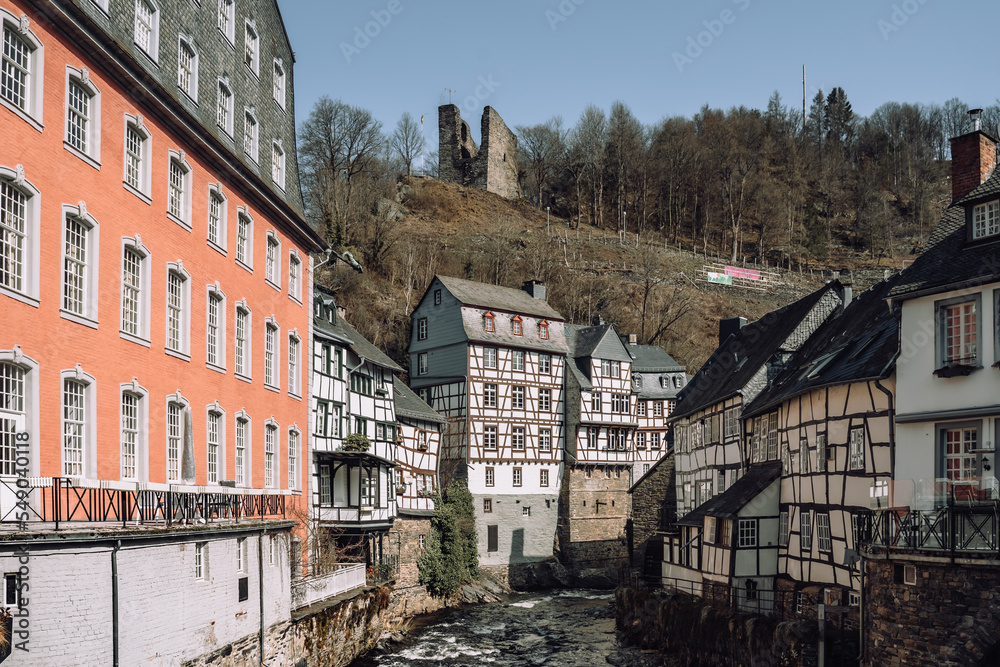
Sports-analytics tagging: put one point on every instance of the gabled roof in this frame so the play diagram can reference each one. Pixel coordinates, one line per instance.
(409, 404)
(652, 359)
(858, 343)
(727, 505)
(738, 359)
(583, 339)
(950, 261)
(343, 332)
(509, 299)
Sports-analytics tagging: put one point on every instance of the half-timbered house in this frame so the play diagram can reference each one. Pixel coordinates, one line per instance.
(354, 494)
(492, 361)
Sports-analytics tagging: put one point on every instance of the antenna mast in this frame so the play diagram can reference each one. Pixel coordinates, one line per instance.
(450, 91)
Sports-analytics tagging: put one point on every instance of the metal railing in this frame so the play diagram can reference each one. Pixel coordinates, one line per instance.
(61, 500)
(967, 531)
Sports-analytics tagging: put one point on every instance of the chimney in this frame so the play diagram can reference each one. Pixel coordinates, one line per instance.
(729, 326)
(341, 313)
(847, 282)
(633, 339)
(973, 157)
(535, 288)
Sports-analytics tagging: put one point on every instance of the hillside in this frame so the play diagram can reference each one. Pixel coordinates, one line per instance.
(444, 228)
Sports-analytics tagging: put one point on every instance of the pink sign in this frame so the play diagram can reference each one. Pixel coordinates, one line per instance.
(737, 272)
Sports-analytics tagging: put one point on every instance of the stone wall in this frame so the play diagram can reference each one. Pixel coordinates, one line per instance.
(950, 616)
(593, 516)
(654, 508)
(491, 167)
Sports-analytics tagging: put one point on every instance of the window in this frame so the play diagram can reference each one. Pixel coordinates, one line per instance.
(251, 50)
(179, 189)
(80, 274)
(242, 458)
(616, 369)
(986, 220)
(821, 452)
(783, 529)
(517, 438)
(250, 142)
(517, 360)
(215, 328)
(138, 163)
(270, 452)
(959, 332)
(224, 107)
(187, 67)
(516, 327)
(489, 357)
(147, 19)
(595, 401)
(544, 440)
(278, 164)
(516, 476)
(640, 408)
(517, 398)
(271, 355)
(293, 447)
(75, 413)
(856, 457)
(543, 477)
(488, 502)
(657, 408)
(241, 554)
(272, 260)
(279, 83)
(201, 560)
(489, 395)
(178, 303)
(83, 116)
(437, 297)
(217, 218)
(805, 530)
(213, 428)
(242, 352)
(492, 538)
(293, 364)
(135, 292)
(823, 532)
(731, 423)
(244, 239)
(959, 445)
(227, 24)
(525, 511)
(544, 363)
(593, 432)
(19, 236)
(654, 441)
(490, 437)
(295, 276)
(130, 435)
(422, 328)
(805, 456)
(543, 330)
(640, 440)
(490, 477)
(21, 69)
(175, 412)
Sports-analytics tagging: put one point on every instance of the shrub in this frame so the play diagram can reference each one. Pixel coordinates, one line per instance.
(356, 442)
(452, 555)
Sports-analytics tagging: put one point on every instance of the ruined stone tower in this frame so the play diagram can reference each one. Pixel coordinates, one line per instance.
(491, 167)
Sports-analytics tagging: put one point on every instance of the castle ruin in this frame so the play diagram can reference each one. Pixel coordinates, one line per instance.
(491, 167)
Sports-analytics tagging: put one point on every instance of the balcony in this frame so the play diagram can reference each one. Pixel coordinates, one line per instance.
(968, 531)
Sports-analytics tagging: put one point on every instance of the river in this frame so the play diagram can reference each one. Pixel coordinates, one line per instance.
(556, 629)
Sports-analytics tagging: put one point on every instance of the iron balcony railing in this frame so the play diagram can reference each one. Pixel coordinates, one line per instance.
(60, 500)
(968, 531)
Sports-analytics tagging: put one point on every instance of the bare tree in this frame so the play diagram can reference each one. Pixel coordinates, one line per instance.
(541, 149)
(407, 140)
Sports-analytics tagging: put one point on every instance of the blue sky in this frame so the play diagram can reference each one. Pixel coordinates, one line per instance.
(534, 59)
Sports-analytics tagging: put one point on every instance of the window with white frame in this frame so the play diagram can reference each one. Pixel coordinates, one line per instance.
(605, 368)
(271, 355)
(516, 476)
(135, 291)
(213, 455)
(543, 477)
(138, 162)
(821, 452)
(251, 49)
(19, 236)
(544, 363)
(325, 486)
(147, 27)
(218, 209)
(179, 189)
(270, 453)
(242, 563)
(593, 433)
(293, 446)
(959, 329)
(279, 83)
(201, 561)
(489, 395)
(731, 423)
(295, 276)
(250, 140)
(75, 427)
(856, 449)
(81, 241)
(244, 239)
(640, 440)
(959, 443)
(517, 360)
(986, 220)
(544, 400)
(422, 366)
(516, 326)
(130, 435)
(640, 408)
(187, 67)
(175, 431)
(489, 320)
(83, 115)
(657, 408)
(242, 453)
(654, 441)
(422, 328)
(783, 529)
(227, 20)
(278, 164)
(178, 309)
(804, 456)
(823, 540)
(272, 263)
(489, 437)
(293, 364)
(21, 63)
(545, 440)
(517, 397)
(517, 438)
(224, 107)
(805, 530)
(489, 357)
(215, 328)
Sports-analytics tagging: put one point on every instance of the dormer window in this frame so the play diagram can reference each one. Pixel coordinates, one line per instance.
(543, 330)
(319, 309)
(986, 220)
(516, 325)
(489, 322)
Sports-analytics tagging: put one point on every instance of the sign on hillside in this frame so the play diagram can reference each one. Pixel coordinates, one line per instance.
(738, 276)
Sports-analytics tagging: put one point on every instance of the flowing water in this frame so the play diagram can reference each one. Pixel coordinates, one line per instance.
(555, 629)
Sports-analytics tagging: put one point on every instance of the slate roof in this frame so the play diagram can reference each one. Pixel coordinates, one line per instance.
(858, 343)
(583, 339)
(727, 505)
(950, 261)
(509, 299)
(342, 331)
(409, 404)
(652, 359)
(739, 358)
